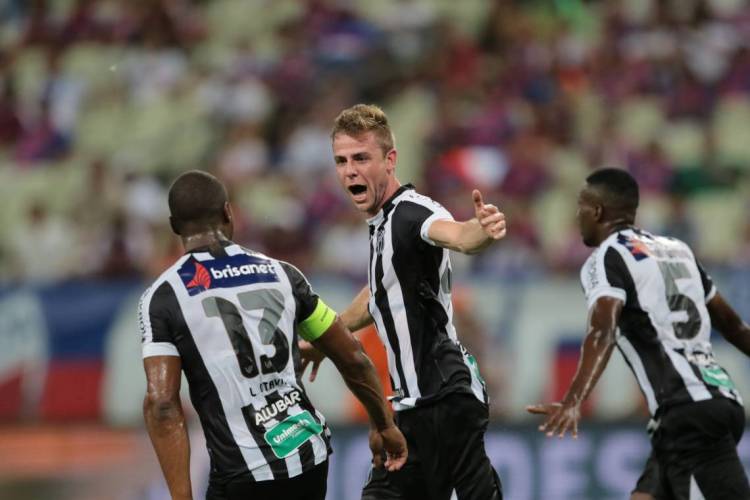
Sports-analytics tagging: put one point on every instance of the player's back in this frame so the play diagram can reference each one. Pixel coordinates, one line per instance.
(665, 325)
(231, 314)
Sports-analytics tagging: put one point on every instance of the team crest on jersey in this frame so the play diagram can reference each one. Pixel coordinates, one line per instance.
(379, 238)
(226, 272)
(636, 247)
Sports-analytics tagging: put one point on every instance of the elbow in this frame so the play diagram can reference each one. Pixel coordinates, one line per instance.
(161, 409)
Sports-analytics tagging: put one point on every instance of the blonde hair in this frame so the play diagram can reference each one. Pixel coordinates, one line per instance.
(363, 118)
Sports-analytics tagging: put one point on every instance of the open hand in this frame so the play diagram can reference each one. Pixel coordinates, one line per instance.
(561, 418)
(489, 216)
(388, 448)
(310, 355)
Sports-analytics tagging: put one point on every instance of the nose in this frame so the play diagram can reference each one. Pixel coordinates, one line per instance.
(349, 169)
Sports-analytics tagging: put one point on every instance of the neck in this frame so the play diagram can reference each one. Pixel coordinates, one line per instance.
(390, 190)
(213, 236)
(613, 226)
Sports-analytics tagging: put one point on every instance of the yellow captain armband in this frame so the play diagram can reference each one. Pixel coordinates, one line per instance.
(318, 322)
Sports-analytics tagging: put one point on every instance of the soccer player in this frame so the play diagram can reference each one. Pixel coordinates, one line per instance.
(439, 396)
(228, 318)
(648, 295)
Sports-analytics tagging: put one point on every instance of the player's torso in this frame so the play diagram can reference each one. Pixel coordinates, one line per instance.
(240, 312)
(665, 327)
(668, 287)
(410, 301)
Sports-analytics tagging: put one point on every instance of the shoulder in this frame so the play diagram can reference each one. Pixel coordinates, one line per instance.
(161, 286)
(415, 207)
(413, 199)
(299, 283)
(606, 256)
(291, 270)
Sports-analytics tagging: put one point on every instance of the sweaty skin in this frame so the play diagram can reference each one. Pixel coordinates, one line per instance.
(595, 353)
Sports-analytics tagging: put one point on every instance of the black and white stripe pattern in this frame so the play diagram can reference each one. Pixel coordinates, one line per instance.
(664, 329)
(174, 322)
(410, 301)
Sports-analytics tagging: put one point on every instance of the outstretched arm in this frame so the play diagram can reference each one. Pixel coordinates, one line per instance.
(359, 374)
(595, 353)
(471, 236)
(165, 423)
(729, 323)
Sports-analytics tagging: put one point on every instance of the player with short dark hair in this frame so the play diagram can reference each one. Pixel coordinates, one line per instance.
(438, 393)
(648, 295)
(230, 318)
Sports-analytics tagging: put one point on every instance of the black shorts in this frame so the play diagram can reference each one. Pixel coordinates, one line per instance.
(446, 455)
(695, 451)
(310, 485)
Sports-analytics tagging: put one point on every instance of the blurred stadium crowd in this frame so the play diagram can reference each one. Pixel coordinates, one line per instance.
(103, 102)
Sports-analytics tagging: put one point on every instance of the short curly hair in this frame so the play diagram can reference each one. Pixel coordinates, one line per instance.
(363, 118)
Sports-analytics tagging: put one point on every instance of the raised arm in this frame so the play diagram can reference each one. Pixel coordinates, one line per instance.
(471, 236)
(729, 324)
(595, 353)
(165, 423)
(359, 374)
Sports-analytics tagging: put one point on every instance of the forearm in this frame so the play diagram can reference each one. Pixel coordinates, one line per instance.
(595, 353)
(357, 315)
(465, 237)
(729, 324)
(167, 429)
(473, 238)
(362, 380)
(739, 336)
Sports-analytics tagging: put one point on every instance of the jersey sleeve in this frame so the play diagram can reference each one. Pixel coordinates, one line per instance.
(419, 215)
(605, 274)
(154, 322)
(709, 289)
(313, 316)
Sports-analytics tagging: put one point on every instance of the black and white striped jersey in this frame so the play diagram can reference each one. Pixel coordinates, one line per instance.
(410, 300)
(231, 317)
(664, 329)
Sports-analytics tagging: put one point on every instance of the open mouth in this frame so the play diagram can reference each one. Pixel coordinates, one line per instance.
(357, 189)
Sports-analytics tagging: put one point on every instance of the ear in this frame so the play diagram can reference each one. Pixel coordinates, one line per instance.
(390, 159)
(228, 215)
(598, 212)
(173, 224)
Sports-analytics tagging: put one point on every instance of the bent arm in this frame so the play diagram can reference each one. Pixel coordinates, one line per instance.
(596, 349)
(729, 324)
(357, 315)
(165, 423)
(357, 370)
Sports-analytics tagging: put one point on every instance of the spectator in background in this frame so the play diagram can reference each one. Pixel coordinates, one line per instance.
(10, 121)
(117, 260)
(42, 250)
(41, 140)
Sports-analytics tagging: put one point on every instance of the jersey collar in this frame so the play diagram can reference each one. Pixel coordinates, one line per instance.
(388, 205)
